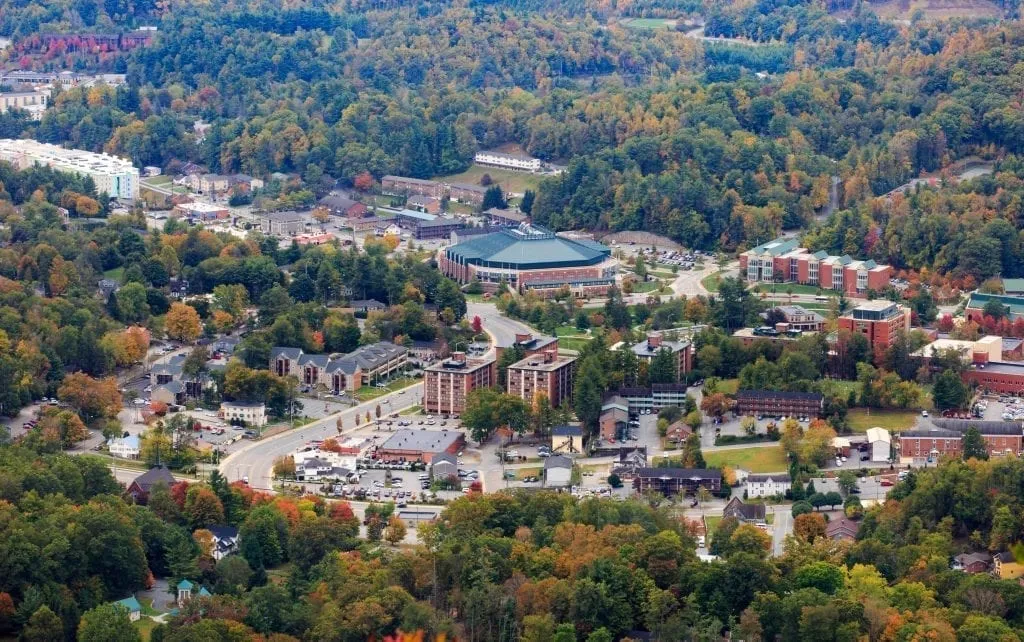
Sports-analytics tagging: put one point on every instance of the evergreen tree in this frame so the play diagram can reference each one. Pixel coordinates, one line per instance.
(950, 391)
(974, 445)
(494, 197)
(587, 395)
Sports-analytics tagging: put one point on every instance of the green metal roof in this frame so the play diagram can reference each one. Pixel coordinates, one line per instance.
(1014, 303)
(777, 247)
(130, 603)
(527, 247)
(1013, 286)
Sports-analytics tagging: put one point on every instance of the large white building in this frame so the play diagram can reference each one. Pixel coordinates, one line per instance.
(34, 102)
(508, 161)
(113, 176)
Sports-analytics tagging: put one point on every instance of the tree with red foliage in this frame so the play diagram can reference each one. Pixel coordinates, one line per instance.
(477, 325)
(342, 511)
(945, 323)
(363, 181)
(7, 613)
(178, 493)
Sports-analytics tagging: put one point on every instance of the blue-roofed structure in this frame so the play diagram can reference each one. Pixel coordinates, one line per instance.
(530, 257)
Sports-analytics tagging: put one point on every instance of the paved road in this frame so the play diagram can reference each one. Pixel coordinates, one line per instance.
(501, 329)
(256, 460)
(783, 527)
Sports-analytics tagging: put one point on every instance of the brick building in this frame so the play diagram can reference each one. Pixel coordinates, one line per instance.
(945, 439)
(614, 419)
(545, 373)
(532, 258)
(930, 444)
(420, 445)
(531, 345)
(340, 205)
(776, 403)
(1002, 377)
(446, 384)
(784, 261)
(467, 193)
(404, 186)
(647, 350)
(879, 321)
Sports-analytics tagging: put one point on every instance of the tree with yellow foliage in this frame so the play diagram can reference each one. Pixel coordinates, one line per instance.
(182, 323)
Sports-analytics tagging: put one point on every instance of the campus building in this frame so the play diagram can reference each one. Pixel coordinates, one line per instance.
(113, 176)
(532, 258)
(405, 186)
(545, 373)
(879, 321)
(776, 403)
(1002, 377)
(945, 439)
(641, 400)
(340, 372)
(446, 384)
(34, 102)
(646, 351)
(1013, 303)
(784, 261)
(508, 161)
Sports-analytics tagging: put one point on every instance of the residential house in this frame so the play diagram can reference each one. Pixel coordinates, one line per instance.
(339, 204)
(367, 305)
(225, 540)
(133, 607)
(422, 203)
(746, 513)
(613, 422)
(678, 431)
(567, 439)
(1006, 567)
(972, 562)
(252, 413)
(124, 447)
(225, 345)
(630, 460)
(842, 528)
(557, 471)
(313, 469)
(171, 393)
(106, 287)
(177, 287)
(141, 486)
(770, 485)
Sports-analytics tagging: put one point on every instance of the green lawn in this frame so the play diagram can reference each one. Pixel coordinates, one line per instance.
(642, 287)
(572, 343)
(711, 523)
(147, 607)
(649, 23)
(145, 626)
(711, 281)
(114, 275)
(796, 288)
(511, 181)
(861, 419)
(768, 459)
(729, 386)
(372, 392)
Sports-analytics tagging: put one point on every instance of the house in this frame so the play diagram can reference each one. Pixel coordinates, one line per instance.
(106, 287)
(630, 460)
(392, 229)
(1006, 567)
(557, 471)
(133, 606)
(768, 485)
(340, 205)
(124, 447)
(170, 393)
(141, 486)
(972, 562)
(842, 528)
(613, 422)
(225, 345)
(367, 305)
(422, 203)
(746, 513)
(444, 466)
(225, 540)
(567, 439)
(252, 413)
(177, 287)
(678, 431)
(313, 469)
(881, 444)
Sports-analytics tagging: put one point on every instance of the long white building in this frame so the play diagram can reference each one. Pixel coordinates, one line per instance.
(113, 176)
(508, 161)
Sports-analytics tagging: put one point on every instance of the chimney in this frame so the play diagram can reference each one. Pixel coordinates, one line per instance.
(459, 357)
(523, 337)
(549, 356)
(653, 340)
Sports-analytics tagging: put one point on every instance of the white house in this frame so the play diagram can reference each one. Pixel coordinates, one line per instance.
(313, 469)
(334, 459)
(253, 414)
(225, 540)
(124, 447)
(768, 485)
(557, 471)
(881, 444)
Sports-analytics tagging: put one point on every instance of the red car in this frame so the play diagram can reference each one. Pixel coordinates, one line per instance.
(886, 482)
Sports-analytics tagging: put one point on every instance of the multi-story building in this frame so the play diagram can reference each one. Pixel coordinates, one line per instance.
(647, 400)
(672, 481)
(784, 261)
(545, 373)
(252, 413)
(112, 176)
(768, 485)
(34, 102)
(879, 321)
(930, 444)
(467, 193)
(506, 217)
(438, 228)
(647, 350)
(284, 223)
(800, 318)
(776, 403)
(1003, 377)
(342, 372)
(945, 439)
(531, 258)
(508, 161)
(404, 186)
(613, 422)
(530, 344)
(446, 384)
(340, 205)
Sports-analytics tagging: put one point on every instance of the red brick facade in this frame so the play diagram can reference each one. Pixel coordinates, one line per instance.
(447, 384)
(782, 261)
(545, 373)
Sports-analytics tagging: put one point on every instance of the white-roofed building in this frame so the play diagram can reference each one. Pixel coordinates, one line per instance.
(881, 444)
(113, 176)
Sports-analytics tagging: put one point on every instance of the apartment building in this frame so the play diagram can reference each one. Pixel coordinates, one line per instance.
(879, 321)
(112, 176)
(508, 161)
(34, 102)
(545, 373)
(405, 186)
(647, 350)
(446, 384)
(340, 372)
(784, 261)
(776, 403)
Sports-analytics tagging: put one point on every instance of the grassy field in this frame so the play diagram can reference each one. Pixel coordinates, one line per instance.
(796, 288)
(522, 473)
(643, 287)
(729, 386)
(861, 419)
(511, 181)
(767, 459)
(114, 275)
(711, 281)
(649, 23)
(372, 392)
(711, 522)
(572, 343)
(145, 626)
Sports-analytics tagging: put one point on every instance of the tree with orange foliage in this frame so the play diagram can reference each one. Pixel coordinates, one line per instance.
(182, 323)
(363, 181)
(91, 398)
(809, 526)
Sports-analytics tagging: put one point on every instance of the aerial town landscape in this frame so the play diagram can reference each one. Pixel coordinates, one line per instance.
(491, 320)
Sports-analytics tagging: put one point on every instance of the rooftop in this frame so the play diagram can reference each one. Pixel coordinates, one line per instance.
(557, 461)
(528, 247)
(984, 427)
(776, 247)
(421, 216)
(696, 474)
(567, 431)
(426, 441)
(537, 362)
(284, 217)
(451, 365)
(1003, 367)
(778, 394)
(406, 179)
